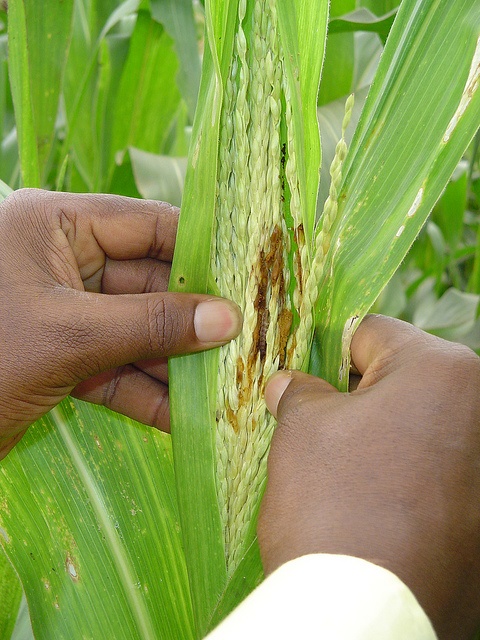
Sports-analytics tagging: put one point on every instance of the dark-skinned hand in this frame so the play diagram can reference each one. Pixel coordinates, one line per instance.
(84, 308)
(389, 472)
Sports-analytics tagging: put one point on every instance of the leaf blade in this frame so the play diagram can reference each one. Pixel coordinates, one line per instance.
(418, 90)
(97, 542)
(38, 41)
(10, 597)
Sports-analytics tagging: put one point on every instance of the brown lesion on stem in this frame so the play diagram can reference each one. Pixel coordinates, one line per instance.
(232, 417)
(269, 272)
(271, 282)
(285, 324)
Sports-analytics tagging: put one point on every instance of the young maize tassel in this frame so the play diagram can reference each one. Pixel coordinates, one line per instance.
(259, 239)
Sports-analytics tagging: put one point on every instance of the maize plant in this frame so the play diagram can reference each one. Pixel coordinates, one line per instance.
(119, 531)
(248, 231)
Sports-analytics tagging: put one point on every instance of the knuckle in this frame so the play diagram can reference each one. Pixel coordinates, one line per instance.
(454, 363)
(110, 393)
(297, 401)
(165, 325)
(155, 279)
(161, 414)
(24, 203)
(161, 239)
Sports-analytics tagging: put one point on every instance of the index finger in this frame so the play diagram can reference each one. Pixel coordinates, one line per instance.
(124, 228)
(380, 341)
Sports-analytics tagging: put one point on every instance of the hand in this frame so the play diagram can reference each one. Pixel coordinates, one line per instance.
(82, 297)
(389, 472)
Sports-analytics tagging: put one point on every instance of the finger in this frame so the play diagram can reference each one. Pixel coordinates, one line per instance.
(289, 389)
(379, 341)
(157, 369)
(7, 443)
(135, 276)
(100, 332)
(125, 228)
(131, 392)
(299, 447)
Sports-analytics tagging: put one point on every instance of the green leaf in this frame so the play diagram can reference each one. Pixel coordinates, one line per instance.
(38, 44)
(84, 103)
(10, 596)
(449, 210)
(123, 180)
(192, 441)
(455, 309)
(364, 20)
(159, 177)
(393, 300)
(89, 519)
(148, 100)
(474, 280)
(339, 64)
(420, 115)
(178, 19)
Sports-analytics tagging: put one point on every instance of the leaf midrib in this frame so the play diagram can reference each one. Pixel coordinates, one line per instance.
(124, 567)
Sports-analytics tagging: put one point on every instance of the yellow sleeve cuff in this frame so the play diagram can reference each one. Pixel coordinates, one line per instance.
(328, 597)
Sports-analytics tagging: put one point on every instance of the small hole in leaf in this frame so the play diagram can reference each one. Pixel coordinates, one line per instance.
(181, 280)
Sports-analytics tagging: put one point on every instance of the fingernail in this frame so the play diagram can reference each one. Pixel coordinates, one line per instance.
(217, 321)
(275, 389)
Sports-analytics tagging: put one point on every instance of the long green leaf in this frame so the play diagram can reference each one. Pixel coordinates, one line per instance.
(421, 113)
(178, 19)
(338, 68)
(92, 25)
(38, 44)
(90, 522)
(193, 441)
(148, 97)
(10, 596)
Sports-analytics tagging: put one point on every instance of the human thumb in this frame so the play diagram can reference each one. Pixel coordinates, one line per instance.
(100, 332)
(286, 388)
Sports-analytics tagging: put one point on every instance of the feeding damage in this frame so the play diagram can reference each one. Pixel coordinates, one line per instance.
(70, 567)
(416, 203)
(471, 87)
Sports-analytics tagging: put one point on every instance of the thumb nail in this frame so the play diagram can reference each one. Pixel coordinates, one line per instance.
(275, 389)
(217, 321)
